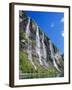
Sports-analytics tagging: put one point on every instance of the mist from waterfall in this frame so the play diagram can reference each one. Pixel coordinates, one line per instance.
(38, 45)
(52, 56)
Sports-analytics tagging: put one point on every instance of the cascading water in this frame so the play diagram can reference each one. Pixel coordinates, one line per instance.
(44, 49)
(52, 56)
(44, 52)
(29, 49)
(27, 29)
(29, 43)
(38, 49)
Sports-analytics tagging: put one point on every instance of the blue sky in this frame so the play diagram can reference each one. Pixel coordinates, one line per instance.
(52, 23)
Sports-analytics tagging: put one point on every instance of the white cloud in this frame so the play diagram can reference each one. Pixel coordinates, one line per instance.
(62, 20)
(63, 34)
(52, 25)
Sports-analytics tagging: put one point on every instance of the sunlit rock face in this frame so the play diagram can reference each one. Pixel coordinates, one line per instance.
(39, 48)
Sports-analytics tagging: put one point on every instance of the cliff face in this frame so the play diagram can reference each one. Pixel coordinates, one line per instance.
(36, 50)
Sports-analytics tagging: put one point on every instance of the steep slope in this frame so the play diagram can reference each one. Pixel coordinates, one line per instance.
(39, 57)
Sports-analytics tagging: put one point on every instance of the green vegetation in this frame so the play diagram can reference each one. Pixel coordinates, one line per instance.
(25, 64)
(33, 42)
(22, 34)
(27, 68)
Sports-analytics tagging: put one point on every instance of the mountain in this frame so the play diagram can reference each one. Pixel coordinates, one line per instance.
(39, 57)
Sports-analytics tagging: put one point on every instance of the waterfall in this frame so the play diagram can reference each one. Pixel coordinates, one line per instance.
(29, 49)
(44, 53)
(44, 48)
(38, 49)
(27, 29)
(29, 42)
(52, 56)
